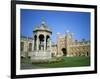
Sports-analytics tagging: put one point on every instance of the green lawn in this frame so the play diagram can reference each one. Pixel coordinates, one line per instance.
(65, 62)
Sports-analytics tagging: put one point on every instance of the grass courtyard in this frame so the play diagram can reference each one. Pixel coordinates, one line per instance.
(78, 61)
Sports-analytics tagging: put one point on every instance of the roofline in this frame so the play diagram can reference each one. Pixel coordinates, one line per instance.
(42, 30)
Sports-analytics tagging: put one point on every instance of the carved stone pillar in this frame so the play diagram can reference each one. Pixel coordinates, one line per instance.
(44, 43)
(37, 42)
(33, 44)
(50, 45)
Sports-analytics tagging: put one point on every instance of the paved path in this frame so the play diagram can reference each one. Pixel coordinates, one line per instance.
(29, 66)
(26, 64)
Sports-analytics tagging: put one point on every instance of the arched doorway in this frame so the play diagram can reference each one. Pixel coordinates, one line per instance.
(41, 40)
(47, 42)
(64, 51)
(87, 53)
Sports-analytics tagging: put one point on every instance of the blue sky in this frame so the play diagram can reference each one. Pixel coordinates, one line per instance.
(58, 21)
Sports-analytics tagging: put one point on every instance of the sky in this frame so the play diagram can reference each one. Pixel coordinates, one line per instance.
(59, 21)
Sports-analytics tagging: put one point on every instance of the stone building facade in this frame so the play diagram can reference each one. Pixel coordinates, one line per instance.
(41, 41)
(26, 46)
(68, 46)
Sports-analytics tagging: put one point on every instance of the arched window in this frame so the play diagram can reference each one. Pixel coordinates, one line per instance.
(30, 46)
(22, 46)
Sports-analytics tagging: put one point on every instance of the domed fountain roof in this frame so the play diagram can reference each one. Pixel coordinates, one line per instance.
(42, 27)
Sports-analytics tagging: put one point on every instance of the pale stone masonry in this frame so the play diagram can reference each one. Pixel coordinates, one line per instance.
(42, 42)
(72, 47)
(40, 46)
